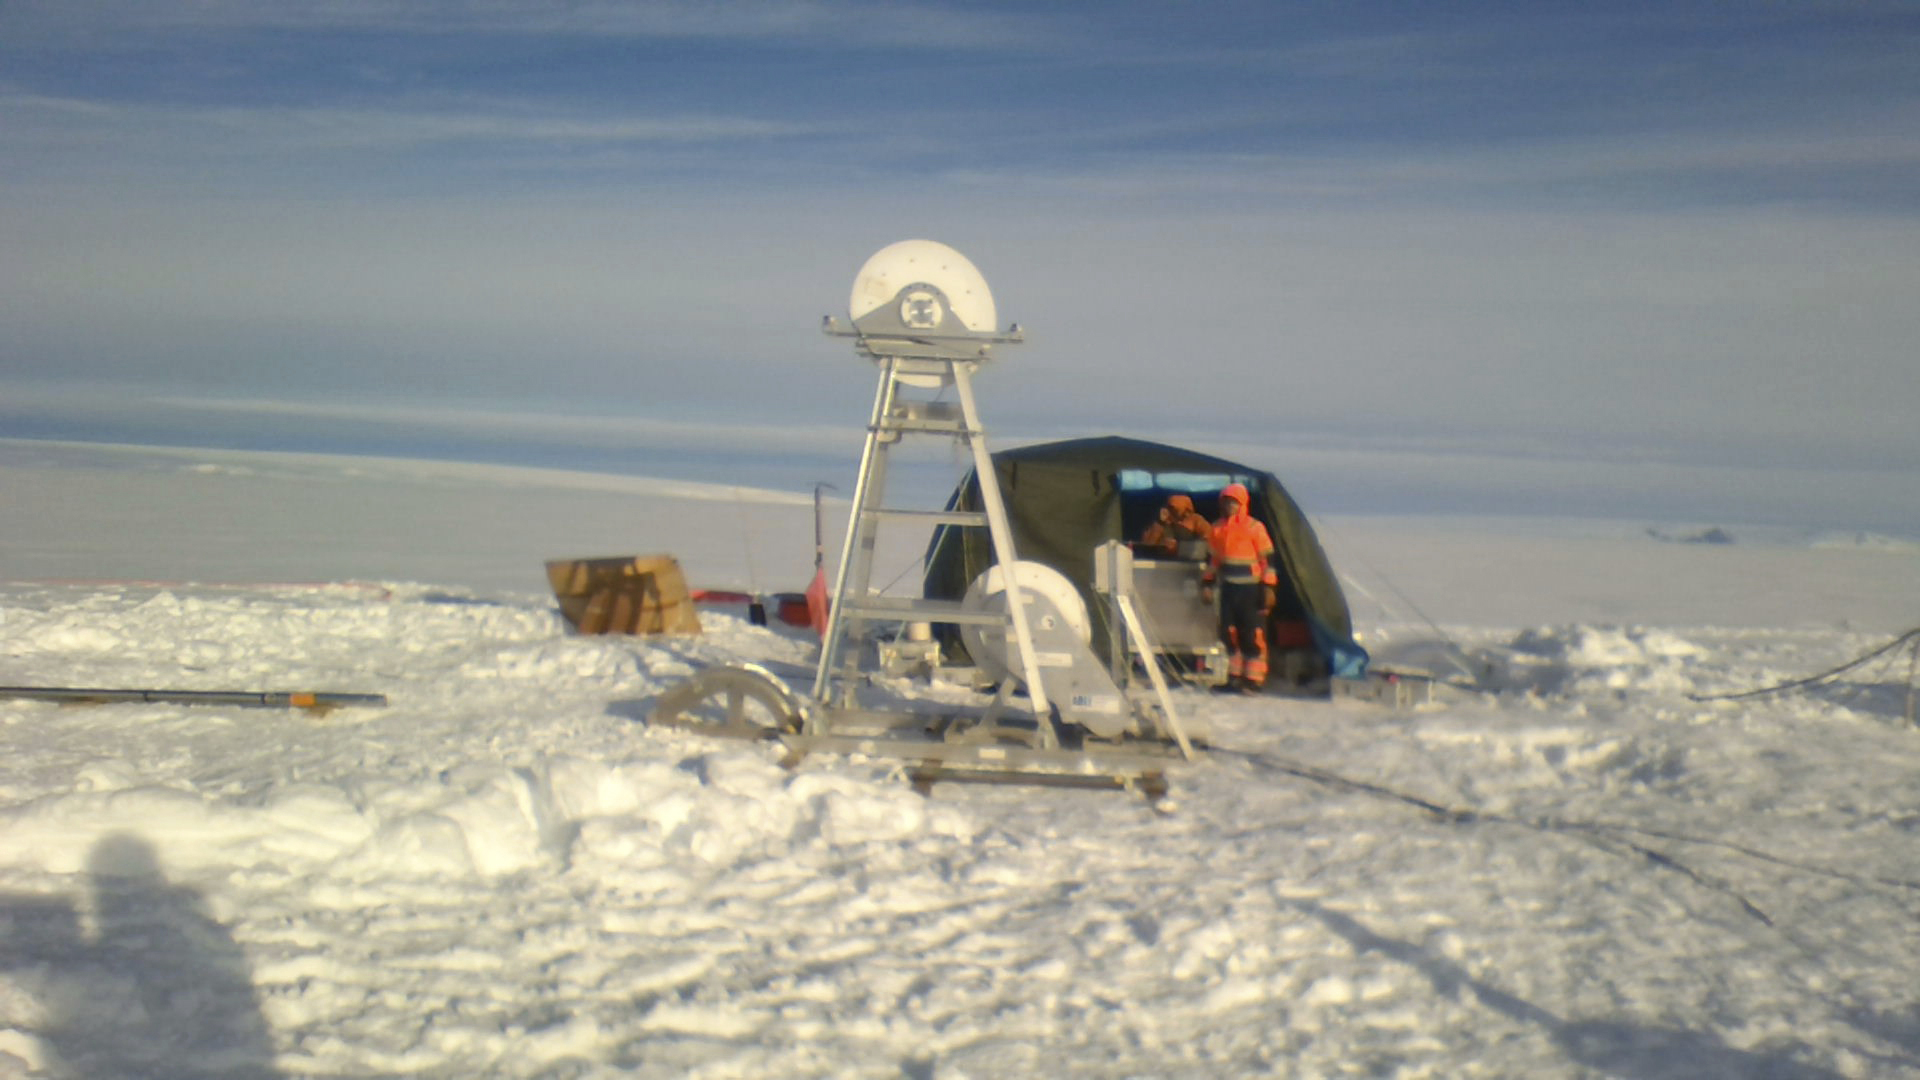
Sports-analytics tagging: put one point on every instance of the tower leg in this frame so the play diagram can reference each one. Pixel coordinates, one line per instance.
(1003, 552)
(853, 576)
(836, 675)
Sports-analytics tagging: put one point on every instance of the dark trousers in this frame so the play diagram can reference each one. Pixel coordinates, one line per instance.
(1243, 627)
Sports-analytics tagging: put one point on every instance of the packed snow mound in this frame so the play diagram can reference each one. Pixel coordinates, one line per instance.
(447, 650)
(1582, 659)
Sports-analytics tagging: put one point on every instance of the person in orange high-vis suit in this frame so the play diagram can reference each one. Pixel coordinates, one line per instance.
(1178, 526)
(1240, 565)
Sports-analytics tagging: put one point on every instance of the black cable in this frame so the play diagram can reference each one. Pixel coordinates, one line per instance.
(1599, 833)
(1911, 635)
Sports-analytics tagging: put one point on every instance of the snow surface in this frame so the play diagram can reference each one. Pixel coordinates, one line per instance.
(1579, 871)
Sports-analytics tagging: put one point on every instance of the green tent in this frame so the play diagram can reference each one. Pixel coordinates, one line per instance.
(1064, 499)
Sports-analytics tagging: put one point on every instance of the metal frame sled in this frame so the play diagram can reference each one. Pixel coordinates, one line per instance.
(953, 743)
(1059, 715)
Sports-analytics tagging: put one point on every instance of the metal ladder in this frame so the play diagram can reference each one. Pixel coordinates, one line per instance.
(896, 416)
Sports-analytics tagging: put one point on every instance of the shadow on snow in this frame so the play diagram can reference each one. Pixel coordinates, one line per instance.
(159, 989)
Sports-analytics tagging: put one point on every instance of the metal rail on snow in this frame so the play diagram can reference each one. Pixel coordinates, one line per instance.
(72, 695)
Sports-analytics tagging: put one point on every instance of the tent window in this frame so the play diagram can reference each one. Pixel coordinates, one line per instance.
(1168, 483)
(1143, 492)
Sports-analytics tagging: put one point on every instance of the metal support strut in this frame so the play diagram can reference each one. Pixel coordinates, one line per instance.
(855, 603)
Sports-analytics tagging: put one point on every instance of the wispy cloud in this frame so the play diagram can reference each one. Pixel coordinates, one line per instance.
(1866, 163)
(848, 22)
(76, 120)
(574, 428)
(1787, 165)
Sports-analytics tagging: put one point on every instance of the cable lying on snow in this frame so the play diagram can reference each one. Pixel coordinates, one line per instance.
(1595, 832)
(1911, 637)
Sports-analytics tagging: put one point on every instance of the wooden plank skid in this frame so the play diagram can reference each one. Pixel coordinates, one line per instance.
(1102, 765)
(1152, 786)
(941, 722)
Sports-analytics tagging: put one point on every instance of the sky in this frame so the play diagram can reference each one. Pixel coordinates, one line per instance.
(1676, 242)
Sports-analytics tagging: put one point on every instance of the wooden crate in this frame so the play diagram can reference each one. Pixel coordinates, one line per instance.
(624, 594)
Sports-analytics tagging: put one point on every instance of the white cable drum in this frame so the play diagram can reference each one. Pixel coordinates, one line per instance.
(924, 262)
(1050, 599)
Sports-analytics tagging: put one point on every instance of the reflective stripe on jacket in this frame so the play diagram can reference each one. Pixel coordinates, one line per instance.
(1240, 550)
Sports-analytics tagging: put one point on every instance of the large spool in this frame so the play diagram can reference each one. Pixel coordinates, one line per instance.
(1051, 603)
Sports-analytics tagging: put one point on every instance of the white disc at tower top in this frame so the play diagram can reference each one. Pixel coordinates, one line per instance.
(924, 262)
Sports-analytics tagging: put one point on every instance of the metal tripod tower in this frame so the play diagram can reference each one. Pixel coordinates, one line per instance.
(920, 345)
(923, 314)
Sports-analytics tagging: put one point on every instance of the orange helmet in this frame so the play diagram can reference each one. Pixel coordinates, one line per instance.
(1236, 491)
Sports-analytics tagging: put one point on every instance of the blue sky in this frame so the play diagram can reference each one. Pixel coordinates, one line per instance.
(1679, 239)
